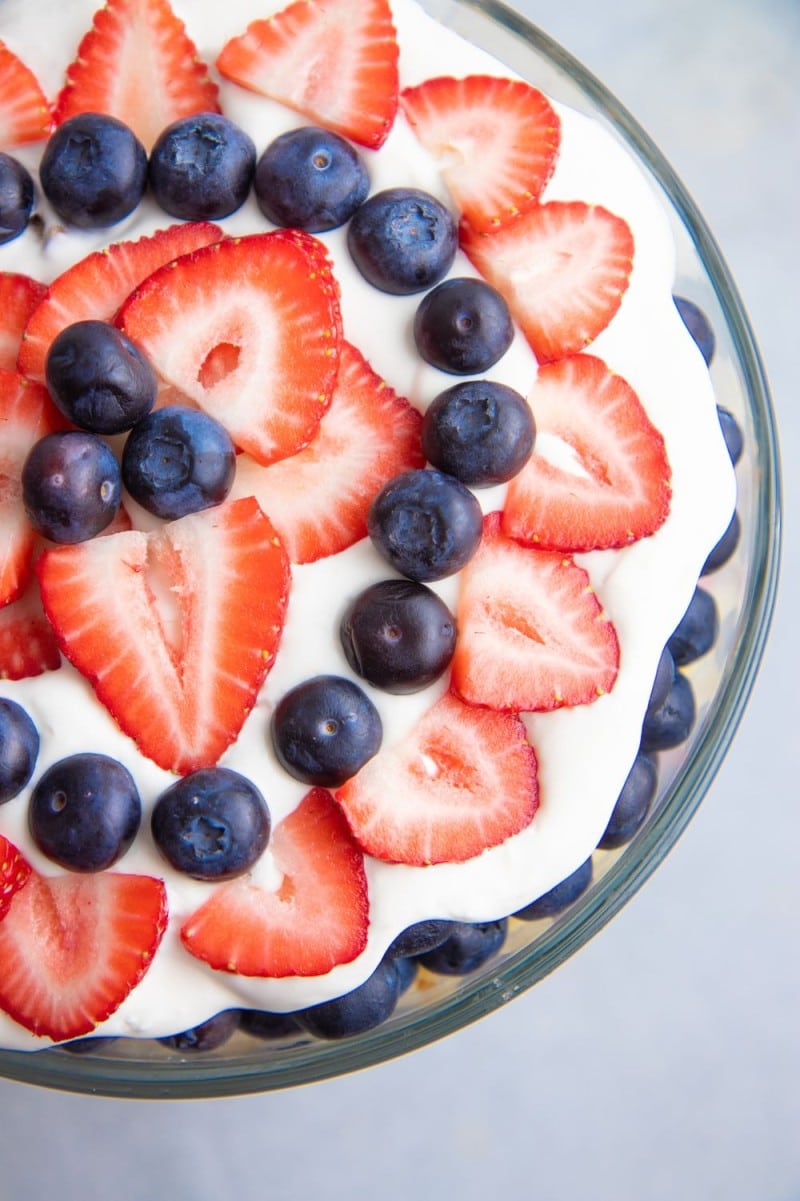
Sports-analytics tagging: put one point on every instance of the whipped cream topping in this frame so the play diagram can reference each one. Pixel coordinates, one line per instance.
(584, 753)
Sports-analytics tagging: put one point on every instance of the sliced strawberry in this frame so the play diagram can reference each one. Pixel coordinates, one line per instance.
(175, 629)
(138, 64)
(249, 329)
(463, 780)
(532, 634)
(19, 296)
(26, 415)
(14, 872)
(318, 917)
(24, 111)
(620, 489)
(335, 61)
(318, 499)
(95, 287)
(497, 141)
(562, 267)
(74, 946)
(28, 645)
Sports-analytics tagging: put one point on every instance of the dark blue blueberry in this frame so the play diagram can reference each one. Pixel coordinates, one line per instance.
(406, 973)
(697, 630)
(93, 170)
(324, 730)
(212, 824)
(85, 812)
(479, 431)
(671, 723)
(419, 938)
(426, 524)
(178, 460)
(665, 674)
(208, 1036)
(698, 326)
(403, 240)
(463, 326)
(362, 1009)
(310, 178)
(557, 899)
(201, 167)
(98, 378)
(732, 433)
(16, 198)
(725, 548)
(260, 1023)
(398, 635)
(70, 486)
(468, 946)
(89, 1045)
(633, 803)
(19, 748)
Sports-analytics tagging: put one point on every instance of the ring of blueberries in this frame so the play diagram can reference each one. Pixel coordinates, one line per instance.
(397, 635)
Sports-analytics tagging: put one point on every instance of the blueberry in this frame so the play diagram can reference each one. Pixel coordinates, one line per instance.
(725, 548)
(201, 167)
(697, 630)
(633, 803)
(212, 824)
(93, 170)
(85, 812)
(468, 946)
(732, 433)
(557, 899)
(178, 460)
(665, 674)
(324, 730)
(403, 240)
(362, 1009)
(311, 179)
(671, 723)
(426, 524)
(16, 198)
(398, 635)
(208, 1036)
(98, 378)
(89, 1045)
(406, 973)
(19, 748)
(260, 1023)
(479, 431)
(463, 326)
(420, 938)
(70, 486)
(698, 326)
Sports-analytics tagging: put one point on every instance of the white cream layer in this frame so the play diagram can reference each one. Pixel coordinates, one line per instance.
(584, 754)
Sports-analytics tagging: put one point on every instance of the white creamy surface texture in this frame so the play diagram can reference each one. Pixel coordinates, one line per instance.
(585, 753)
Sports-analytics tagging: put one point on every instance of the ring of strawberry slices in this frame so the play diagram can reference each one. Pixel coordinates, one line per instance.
(250, 329)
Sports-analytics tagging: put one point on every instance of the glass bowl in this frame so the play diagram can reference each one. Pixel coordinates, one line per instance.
(743, 588)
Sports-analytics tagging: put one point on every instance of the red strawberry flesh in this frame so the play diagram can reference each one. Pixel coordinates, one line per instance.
(24, 111)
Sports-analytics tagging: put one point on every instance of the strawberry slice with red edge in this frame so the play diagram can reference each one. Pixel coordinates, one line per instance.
(619, 490)
(26, 415)
(463, 780)
(334, 61)
(19, 296)
(532, 634)
(73, 947)
(14, 872)
(316, 919)
(318, 499)
(250, 330)
(24, 111)
(95, 287)
(175, 629)
(496, 139)
(28, 645)
(137, 63)
(563, 269)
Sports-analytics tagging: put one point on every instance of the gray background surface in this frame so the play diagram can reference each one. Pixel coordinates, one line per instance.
(663, 1060)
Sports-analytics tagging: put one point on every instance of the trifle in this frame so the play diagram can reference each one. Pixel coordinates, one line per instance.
(199, 667)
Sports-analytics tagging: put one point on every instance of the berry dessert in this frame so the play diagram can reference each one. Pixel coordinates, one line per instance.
(357, 471)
